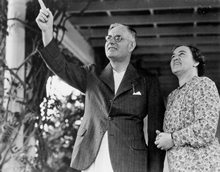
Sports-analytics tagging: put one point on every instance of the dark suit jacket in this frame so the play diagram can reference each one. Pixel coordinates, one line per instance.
(121, 114)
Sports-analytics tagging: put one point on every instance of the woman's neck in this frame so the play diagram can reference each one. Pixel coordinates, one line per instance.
(185, 78)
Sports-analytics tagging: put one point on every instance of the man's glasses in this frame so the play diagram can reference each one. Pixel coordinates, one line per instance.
(117, 38)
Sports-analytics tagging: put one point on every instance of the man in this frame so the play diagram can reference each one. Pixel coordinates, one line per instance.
(118, 98)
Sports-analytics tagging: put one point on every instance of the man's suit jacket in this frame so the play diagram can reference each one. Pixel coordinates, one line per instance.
(122, 114)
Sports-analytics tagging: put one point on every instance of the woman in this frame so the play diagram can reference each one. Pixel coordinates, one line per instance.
(191, 117)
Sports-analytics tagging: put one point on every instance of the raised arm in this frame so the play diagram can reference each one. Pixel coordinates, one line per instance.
(45, 22)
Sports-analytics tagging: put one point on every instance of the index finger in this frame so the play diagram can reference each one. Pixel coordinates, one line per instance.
(158, 132)
(42, 5)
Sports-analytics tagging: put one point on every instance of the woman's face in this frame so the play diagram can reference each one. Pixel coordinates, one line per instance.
(182, 61)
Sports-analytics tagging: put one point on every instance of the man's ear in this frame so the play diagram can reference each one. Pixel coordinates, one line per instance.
(132, 46)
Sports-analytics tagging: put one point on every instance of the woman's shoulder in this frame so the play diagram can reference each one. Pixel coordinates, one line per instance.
(205, 83)
(204, 80)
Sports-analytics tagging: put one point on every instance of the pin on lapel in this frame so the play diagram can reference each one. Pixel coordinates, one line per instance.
(135, 93)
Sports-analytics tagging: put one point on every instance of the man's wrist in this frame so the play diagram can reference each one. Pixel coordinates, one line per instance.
(47, 36)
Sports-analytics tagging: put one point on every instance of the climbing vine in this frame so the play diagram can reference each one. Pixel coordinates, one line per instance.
(51, 122)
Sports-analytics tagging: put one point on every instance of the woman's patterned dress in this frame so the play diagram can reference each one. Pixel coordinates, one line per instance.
(192, 115)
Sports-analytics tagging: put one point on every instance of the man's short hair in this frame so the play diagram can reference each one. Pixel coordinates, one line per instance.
(131, 30)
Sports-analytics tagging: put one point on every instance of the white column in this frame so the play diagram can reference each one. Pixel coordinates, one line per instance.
(15, 44)
(14, 56)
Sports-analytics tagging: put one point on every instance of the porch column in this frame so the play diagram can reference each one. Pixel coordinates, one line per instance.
(14, 56)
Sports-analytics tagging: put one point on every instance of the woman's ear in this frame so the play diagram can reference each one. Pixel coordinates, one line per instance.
(195, 64)
(132, 46)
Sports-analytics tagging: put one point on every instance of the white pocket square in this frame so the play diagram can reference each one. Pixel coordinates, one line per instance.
(137, 93)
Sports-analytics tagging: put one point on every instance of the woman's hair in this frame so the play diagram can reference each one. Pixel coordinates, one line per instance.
(197, 56)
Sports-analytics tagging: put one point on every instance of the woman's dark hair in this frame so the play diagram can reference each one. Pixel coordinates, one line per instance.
(197, 56)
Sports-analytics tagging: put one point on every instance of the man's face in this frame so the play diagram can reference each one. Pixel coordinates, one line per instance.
(182, 61)
(119, 51)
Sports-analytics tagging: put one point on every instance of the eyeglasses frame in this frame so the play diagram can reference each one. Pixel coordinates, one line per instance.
(121, 38)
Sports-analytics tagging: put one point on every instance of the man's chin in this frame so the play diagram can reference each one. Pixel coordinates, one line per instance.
(111, 56)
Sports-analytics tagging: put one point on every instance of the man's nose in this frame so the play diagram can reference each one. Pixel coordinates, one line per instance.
(112, 40)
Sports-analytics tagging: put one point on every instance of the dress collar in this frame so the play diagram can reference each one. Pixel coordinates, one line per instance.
(188, 82)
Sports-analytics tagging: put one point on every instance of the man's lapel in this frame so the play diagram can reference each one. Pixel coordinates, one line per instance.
(129, 80)
(107, 76)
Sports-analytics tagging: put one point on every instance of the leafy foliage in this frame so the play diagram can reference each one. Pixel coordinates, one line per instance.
(53, 123)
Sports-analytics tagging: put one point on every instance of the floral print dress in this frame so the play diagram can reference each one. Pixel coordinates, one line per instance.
(192, 115)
